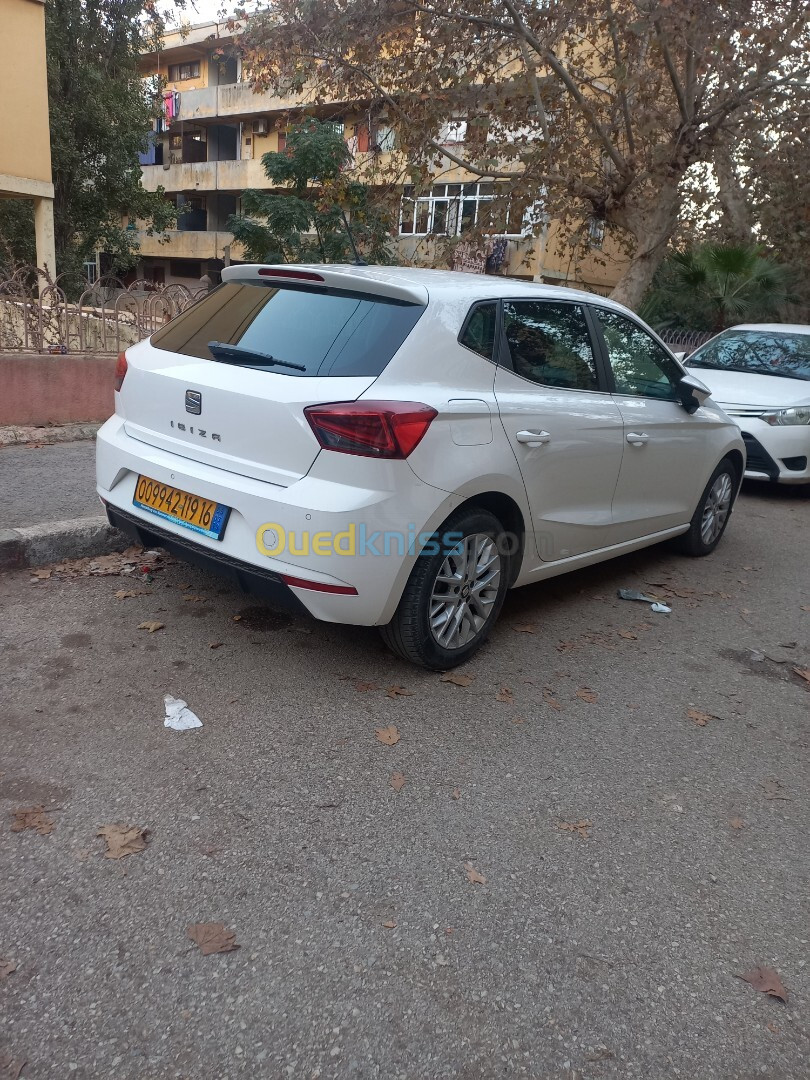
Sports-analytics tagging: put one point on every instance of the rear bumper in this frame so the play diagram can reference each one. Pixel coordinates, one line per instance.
(250, 579)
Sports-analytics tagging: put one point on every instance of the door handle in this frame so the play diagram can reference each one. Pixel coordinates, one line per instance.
(533, 438)
(637, 438)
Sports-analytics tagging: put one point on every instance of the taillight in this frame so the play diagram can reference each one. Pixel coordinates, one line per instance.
(380, 429)
(120, 371)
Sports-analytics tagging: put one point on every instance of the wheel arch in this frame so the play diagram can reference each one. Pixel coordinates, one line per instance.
(510, 515)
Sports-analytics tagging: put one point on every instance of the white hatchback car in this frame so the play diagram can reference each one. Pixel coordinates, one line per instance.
(397, 448)
(760, 374)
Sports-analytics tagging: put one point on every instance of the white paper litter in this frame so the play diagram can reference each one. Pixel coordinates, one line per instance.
(178, 715)
(661, 608)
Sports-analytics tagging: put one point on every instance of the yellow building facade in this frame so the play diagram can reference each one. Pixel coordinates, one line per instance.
(25, 141)
(207, 150)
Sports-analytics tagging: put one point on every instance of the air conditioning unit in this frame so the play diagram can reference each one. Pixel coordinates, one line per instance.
(259, 127)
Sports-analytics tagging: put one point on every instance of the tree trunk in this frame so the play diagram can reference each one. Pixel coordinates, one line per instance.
(732, 197)
(652, 230)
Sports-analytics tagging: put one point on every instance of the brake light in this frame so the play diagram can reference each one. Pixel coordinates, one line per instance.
(380, 429)
(296, 275)
(120, 371)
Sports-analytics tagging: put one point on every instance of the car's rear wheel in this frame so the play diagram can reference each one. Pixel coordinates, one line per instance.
(710, 519)
(454, 594)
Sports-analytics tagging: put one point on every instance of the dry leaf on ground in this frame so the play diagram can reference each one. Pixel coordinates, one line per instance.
(397, 781)
(6, 968)
(389, 924)
(151, 626)
(388, 735)
(195, 599)
(767, 981)
(628, 635)
(40, 575)
(212, 937)
(803, 673)
(34, 817)
(455, 793)
(124, 594)
(772, 789)
(700, 718)
(550, 700)
(736, 823)
(11, 1068)
(473, 876)
(457, 679)
(362, 687)
(581, 828)
(398, 691)
(123, 840)
(524, 628)
(216, 644)
(504, 695)
(584, 694)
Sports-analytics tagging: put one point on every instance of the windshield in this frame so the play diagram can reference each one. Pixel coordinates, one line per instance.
(292, 329)
(756, 352)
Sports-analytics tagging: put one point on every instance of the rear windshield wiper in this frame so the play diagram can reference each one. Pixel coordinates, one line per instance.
(230, 354)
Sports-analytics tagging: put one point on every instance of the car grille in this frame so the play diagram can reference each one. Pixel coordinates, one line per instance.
(759, 460)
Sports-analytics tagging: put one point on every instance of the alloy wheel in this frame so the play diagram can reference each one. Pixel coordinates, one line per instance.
(716, 508)
(464, 591)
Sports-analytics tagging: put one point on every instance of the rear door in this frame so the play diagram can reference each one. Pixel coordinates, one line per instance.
(564, 427)
(666, 451)
(228, 380)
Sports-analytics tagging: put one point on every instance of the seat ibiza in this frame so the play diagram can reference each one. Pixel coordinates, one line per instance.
(397, 448)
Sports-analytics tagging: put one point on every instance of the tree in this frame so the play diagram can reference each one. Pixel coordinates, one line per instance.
(714, 286)
(600, 106)
(306, 223)
(100, 113)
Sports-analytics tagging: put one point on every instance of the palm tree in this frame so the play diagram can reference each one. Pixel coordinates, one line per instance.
(715, 286)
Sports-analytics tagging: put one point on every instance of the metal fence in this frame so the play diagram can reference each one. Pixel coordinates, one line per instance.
(685, 341)
(105, 318)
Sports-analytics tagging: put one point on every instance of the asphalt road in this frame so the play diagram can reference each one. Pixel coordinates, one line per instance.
(47, 483)
(611, 956)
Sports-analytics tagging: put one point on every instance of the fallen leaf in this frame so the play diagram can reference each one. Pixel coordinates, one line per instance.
(6, 968)
(455, 793)
(124, 594)
(457, 679)
(771, 1026)
(567, 646)
(803, 673)
(550, 700)
(216, 644)
(123, 840)
(473, 875)
(767, 981)
(581, 828)
(237, 618)
(699, 717)
(150, 626)
(390, 924)
(584, 694)
(504, 695)
(628, 635)
(32, 818)
(388, 735)
(195, 599)
(397, 781)
(10, 1068)
(805, 607)
(518, 719)
(212, 937)
(736, 823)
(41, 575)
(524, 628)
(398, 691)
(185, 585)
(362, 687)
(772, 789)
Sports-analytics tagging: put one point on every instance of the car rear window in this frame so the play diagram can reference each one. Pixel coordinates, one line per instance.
(320, 331)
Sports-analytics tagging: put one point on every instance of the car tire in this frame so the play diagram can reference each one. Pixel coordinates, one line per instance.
(713, 511)
(439, 634)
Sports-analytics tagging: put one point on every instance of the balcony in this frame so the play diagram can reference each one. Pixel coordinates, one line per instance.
(194, 176)
(184, 245)
(234, 100)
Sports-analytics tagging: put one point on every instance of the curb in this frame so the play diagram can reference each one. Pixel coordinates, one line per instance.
(18, 436)
(39, 545)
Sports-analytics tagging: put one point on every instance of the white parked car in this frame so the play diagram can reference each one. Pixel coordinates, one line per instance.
(397, 448)
(760, 374)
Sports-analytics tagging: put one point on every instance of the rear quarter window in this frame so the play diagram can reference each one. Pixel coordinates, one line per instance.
(327, 332)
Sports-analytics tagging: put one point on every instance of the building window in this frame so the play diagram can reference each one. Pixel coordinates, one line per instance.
(453, 209)
(596, 232)
(90, 272)
(181, 72)
(338, 125)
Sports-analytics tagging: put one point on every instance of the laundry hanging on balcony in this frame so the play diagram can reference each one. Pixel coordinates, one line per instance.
(171, 104)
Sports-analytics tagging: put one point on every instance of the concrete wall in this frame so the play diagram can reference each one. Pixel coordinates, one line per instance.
(41, 390)
(25, 140)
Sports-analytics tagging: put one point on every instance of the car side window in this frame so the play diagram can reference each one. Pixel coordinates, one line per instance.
(641, 367)
(479, 331)
(550, 344)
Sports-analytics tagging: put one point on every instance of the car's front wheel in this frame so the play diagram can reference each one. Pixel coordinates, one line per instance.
(713, 511)
(454, 594)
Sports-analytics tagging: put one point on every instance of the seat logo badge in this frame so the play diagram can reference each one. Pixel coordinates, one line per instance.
(193, 402)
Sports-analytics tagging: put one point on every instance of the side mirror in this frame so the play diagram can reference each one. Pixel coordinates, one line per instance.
(693, 393)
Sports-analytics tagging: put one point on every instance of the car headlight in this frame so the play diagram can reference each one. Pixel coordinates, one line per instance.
(787, 417)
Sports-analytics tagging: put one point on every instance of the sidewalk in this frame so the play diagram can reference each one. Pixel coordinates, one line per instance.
(49, 509)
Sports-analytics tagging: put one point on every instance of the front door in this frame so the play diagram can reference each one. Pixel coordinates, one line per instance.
(565, 429)
(665, 449)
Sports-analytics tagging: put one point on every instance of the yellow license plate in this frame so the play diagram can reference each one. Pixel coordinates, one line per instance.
(183, 508)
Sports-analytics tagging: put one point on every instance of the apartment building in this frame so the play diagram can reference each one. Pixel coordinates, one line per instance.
(25, 138)
(207, 149)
